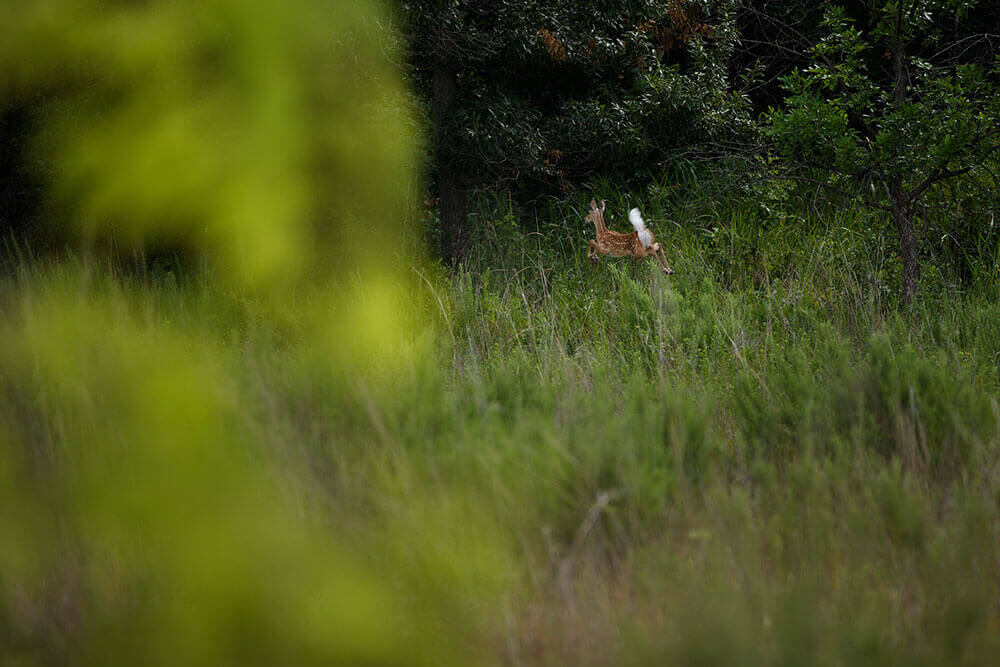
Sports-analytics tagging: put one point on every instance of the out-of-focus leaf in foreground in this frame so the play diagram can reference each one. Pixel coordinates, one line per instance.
(142, 518)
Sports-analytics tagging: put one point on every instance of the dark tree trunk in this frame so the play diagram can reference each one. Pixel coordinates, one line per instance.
(451, 183)
(909, 251)
(452, 200)
(20, 189)
(908, 248)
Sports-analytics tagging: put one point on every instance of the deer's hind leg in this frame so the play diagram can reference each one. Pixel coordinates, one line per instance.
(642, 253)
(663, 262)
(659, 262)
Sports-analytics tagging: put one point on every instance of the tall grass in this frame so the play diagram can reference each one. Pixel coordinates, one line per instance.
(800, 470)
(758, 460)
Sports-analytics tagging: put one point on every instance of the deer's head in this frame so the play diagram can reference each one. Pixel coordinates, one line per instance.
(596, 215)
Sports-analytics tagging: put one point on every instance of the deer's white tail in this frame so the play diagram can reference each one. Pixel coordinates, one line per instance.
(645, 238)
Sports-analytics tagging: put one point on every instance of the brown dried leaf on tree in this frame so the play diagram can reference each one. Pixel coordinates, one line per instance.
(556, 49)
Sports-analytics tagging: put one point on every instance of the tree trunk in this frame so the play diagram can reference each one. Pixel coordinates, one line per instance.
(453, 203)
(908, 249)
(451, 183)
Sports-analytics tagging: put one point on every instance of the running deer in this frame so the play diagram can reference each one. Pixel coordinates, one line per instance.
(638, 244)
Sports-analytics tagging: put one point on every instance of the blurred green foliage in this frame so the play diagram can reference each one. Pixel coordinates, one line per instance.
(139, 527)
(143, 519)
(273, 137)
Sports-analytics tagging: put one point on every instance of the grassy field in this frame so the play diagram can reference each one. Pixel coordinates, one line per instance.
(762, 459)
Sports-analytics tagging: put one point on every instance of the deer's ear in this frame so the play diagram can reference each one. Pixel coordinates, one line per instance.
(603, 202)
(593, 203)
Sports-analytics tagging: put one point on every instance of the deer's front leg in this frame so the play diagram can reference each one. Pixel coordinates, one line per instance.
(593, 250)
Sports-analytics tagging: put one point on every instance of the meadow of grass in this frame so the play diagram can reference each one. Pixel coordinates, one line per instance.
(762, 459)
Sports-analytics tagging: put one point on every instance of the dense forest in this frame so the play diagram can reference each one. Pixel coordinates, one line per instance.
(318, 346)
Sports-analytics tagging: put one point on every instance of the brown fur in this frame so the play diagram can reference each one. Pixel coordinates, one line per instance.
(616, 244)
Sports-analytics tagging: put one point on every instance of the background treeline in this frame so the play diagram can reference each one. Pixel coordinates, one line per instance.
(893, 105)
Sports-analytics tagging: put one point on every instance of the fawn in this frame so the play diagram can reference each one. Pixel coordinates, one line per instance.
(638, 244)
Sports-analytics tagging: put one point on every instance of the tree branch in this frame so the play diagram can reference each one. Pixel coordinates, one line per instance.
(941, 172)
